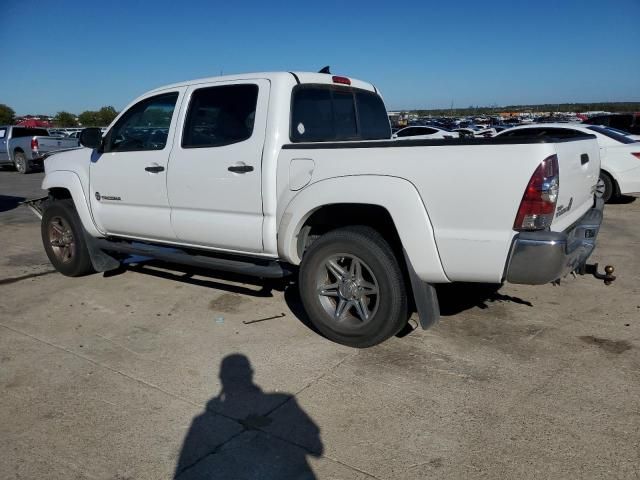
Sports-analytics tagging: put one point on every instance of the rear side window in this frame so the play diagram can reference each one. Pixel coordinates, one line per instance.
(326, 113)
(2, 132)
(220, 116)
(19, 132)
(374, 122)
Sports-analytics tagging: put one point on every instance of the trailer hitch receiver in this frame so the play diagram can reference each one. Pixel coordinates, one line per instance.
(608, 277)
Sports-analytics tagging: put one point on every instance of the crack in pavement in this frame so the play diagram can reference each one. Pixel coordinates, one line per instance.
(7, 281)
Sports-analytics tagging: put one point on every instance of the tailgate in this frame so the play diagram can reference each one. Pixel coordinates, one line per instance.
(48, 144)
(579, 162)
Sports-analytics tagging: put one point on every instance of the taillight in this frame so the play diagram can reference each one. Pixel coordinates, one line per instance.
(538, 203)
(636, 154)
(34, 144)
(342, 80)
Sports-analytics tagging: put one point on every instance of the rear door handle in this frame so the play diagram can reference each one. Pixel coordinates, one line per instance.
(240, 168)
(584, 158)
(155, 169)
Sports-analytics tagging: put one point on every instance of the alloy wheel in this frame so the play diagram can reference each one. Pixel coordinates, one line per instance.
(348, 290)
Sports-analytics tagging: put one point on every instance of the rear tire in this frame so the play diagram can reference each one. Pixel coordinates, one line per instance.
(352, 287)
(63, 239)
(21, 163)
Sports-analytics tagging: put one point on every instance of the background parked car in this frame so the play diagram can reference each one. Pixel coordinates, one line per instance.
(628, 122)
(423, 133)
(619, 154)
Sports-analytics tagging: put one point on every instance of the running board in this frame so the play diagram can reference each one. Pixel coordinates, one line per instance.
(253, 267)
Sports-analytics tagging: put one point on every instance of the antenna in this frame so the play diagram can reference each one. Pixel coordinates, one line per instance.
(325, 70)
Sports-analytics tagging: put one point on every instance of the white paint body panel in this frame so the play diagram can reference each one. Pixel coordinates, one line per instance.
(143, 208)
(211, 206)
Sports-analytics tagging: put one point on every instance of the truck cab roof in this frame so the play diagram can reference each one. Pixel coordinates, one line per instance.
(291, 77)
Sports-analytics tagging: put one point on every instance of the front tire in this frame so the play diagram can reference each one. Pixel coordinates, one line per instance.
(352, 287)
(63, 239)
(21, 163)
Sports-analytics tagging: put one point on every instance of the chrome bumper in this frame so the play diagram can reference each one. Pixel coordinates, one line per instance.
(542, 257)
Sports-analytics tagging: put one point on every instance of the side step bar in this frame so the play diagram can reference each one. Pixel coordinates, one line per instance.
(253, 267)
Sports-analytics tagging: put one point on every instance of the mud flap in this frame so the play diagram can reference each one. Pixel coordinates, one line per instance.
(425, 297)
(101, 261)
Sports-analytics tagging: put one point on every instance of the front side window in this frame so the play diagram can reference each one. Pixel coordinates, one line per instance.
(145, 126)
(3, 132)
(220, 116)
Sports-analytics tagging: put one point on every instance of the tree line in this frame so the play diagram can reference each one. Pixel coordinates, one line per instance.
(88, 118)
(614, 107)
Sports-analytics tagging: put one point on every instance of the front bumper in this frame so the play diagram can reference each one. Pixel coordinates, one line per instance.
(537, 258)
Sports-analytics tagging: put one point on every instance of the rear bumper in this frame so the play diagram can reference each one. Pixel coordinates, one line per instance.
(537, 258)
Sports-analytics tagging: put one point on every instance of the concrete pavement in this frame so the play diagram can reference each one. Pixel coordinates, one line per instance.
(151, 373)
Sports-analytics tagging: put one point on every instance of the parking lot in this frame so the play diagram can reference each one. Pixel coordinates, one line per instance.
(152, 372)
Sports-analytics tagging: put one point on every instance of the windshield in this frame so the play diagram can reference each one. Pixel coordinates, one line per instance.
(608, 132)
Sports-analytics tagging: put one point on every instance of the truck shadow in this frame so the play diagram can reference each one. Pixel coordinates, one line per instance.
(454, 298)
(8, 202)
(623, 200)
(205, 278)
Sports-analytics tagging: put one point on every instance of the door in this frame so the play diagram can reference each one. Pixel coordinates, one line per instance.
(4, 156)
(215, 175)
(128, 174)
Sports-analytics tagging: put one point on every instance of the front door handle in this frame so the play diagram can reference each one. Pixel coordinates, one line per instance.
(240, 168)
(584, 158)
(155, 169)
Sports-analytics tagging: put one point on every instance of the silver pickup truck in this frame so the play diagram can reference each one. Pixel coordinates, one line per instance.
(25, 147)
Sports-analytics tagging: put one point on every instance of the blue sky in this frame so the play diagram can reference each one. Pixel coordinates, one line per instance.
(78, 55)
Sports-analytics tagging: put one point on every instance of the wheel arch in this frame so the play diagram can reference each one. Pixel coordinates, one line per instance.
(66, 184)
(389, 204)
(14, 151)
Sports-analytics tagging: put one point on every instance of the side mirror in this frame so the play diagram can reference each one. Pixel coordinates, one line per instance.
(91, 137)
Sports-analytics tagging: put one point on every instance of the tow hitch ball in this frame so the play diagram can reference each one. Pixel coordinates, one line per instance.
(607, 276)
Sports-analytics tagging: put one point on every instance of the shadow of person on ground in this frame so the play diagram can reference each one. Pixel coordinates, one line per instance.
(245, 433)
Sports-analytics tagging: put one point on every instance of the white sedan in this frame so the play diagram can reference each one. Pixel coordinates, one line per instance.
(423, 132)
(619, 154)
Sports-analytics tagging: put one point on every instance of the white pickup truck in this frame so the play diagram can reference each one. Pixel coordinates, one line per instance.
(271, 174)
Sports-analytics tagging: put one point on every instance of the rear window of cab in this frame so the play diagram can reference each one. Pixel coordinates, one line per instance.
(325, 113)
